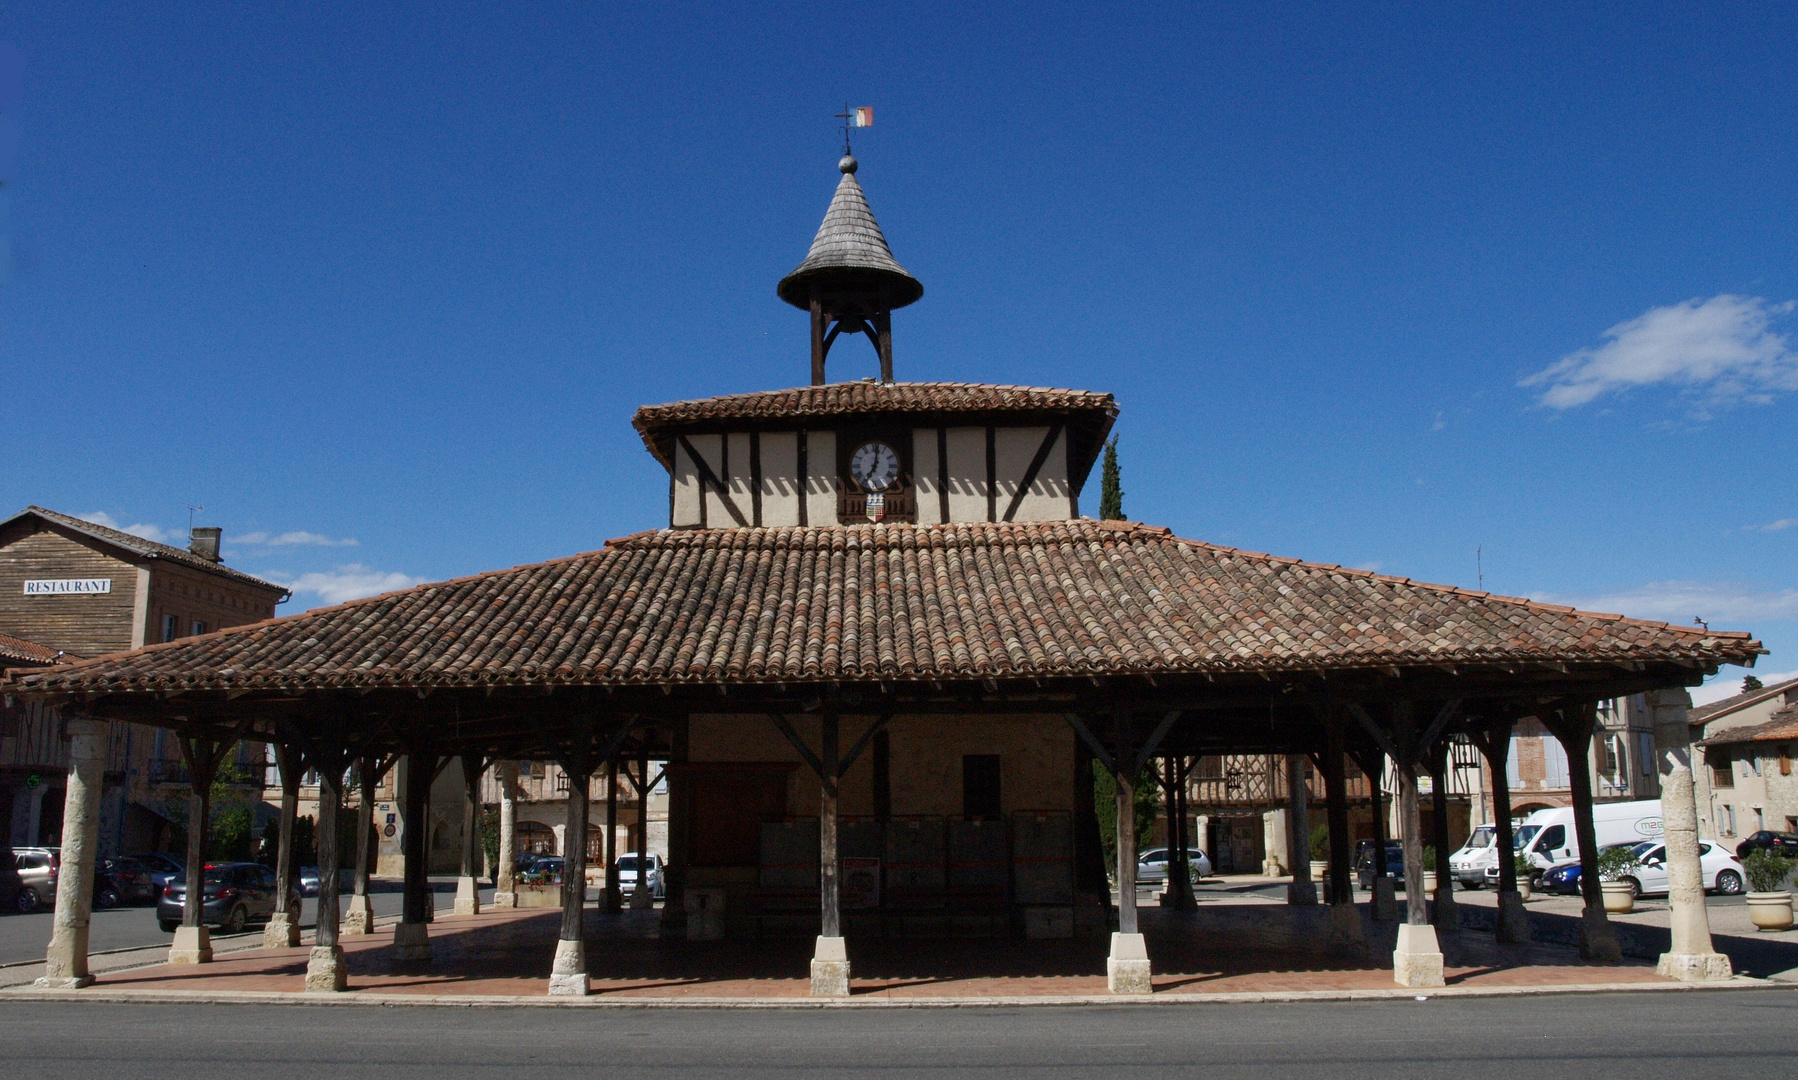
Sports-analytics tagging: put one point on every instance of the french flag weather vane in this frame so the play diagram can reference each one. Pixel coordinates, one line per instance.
(859, 117)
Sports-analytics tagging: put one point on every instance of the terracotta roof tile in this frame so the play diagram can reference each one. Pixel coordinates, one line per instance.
(887, 602)
(1781, 727)
(19, 651)
(1702, 713)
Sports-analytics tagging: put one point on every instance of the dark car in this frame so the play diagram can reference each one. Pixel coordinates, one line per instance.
(1395, 863)
(545, 870)
(235, 894)
(38, 869)
(163, 868)
(131, 878)
(1779, 843)
(1560, 878)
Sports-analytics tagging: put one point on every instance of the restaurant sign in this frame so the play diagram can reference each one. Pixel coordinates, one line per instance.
(80, 586)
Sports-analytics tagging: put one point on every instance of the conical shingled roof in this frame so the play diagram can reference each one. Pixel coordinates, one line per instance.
(849, 253)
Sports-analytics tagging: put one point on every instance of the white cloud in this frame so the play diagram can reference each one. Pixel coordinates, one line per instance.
(1728, 683)
(1724, 605)
(1721, 350)
(1774, 526)
(351, 582)
(149, 532)
(292, 539)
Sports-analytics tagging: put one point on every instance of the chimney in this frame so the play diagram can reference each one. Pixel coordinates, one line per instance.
(205, 542)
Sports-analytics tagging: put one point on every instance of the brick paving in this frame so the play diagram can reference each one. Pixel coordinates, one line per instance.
(509, 953)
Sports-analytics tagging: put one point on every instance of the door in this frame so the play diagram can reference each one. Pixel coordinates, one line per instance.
(1653, 872)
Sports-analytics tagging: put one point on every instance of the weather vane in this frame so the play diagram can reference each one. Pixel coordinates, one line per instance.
(860, 117)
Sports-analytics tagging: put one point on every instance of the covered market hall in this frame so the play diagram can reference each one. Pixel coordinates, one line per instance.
(882, 654)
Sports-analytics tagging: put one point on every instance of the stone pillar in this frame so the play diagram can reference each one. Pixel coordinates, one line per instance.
(1444, 913)
(359, 919)
(568, 974)
(1127, 969)
(412, 938)
(505, 875)
(1418, 959)
(830, 956)
(1301, 890)
(468, 889)
(1274, 843)
(283, 929)
(1692, 957)
(613, 900)
(65, 961)
(324, 967)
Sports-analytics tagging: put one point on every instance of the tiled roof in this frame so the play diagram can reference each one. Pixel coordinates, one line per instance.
(1782, 727)
(19, 651)
(889, 602)
(866, 397)
(1715, 709)
(148, 548)
(849, 243)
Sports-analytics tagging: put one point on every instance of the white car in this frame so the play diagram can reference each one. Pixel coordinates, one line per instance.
(627, 876)
(1722, 870)
(1151, 865)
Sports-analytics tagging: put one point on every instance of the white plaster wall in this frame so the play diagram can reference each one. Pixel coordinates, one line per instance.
(924, 475)
(780, 478)
(1047, 499)
(821, 478)
(967, 473)
(737, 482)
(686, 490)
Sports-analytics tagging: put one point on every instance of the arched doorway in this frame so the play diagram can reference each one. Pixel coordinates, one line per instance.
(535, 838)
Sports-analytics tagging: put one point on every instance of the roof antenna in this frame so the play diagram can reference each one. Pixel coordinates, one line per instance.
(1479, 565)
(1696, 621)
(191, 511)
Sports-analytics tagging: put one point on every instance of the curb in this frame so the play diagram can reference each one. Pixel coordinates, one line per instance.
(604, 1001)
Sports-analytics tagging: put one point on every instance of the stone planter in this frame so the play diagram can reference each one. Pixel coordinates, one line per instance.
(1620, 897)
(539, 896)
(1770, 910)
(1320, 869)
(1429, 884)
(1524, 889)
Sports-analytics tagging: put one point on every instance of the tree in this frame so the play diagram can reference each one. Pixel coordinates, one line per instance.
(1750, 684)
(1105, 805)
(1111, 491)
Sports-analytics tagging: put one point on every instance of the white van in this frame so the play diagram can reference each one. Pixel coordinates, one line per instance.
(1481, 851)
(1547, 837)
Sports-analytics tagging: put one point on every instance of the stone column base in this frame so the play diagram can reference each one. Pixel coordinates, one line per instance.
(505, 899)
(325, 971)
(830, 968)
(358, 918)
(411, 941)
(1597, 940)
(72, 982)
(1301, 893)
(1513, 918)
(1687, 967)
(1385, 900)
(282, 931)
(1418, 959)
(193, 945)
(568, 975)
(1127, 968)
(468, 896)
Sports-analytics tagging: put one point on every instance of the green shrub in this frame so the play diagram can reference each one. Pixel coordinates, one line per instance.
(1320, 842)
(1429, 858)
(1767, 872)
(1617, 861)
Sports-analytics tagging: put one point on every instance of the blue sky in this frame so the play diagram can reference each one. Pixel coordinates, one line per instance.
(1379, 286)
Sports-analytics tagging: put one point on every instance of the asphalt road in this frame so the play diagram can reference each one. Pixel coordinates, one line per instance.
(1692, 1035)
(23, 937)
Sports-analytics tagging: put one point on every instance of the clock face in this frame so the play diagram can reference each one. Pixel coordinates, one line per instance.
(875, 466)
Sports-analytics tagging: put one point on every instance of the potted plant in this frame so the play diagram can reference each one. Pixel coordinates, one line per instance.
(1429, 871)
(1769, 902)
(1320, 853)
(1617, 867)
(1525, 872)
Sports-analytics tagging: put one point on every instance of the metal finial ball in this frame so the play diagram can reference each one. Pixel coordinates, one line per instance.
(847, 164)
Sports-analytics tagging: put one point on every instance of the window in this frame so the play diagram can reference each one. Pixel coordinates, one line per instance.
(535, 838)
(1554, 838)
(1729, 820)
(1785, 759)
(1760, 820)
(1554, 763)
(1645, 752)
(1753, 761)
(199, 628)
(1513, 774)
(171, 627)
(1722, 774)
(980, 786)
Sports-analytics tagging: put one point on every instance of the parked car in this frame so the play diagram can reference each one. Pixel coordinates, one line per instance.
(1779, 843)
(543, 870)
(38, 869)
(1561, 878)
(308, 881)
(1152, 865)
(235, 895)
(1479, 852)
(1395, 863)
(1547, 837)
(627, 876)
(1722, 872)
(131, 878)
(163, 868)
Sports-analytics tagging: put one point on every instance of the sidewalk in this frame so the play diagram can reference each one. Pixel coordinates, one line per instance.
(504, 957)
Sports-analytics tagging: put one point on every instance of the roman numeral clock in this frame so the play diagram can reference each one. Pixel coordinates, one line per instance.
(874, 467)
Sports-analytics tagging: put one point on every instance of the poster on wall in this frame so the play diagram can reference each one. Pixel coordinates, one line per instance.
(860, 885)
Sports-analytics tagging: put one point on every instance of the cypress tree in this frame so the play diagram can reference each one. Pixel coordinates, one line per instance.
(1111, 491)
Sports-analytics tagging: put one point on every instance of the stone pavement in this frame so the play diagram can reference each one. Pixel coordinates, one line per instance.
(1251, 950)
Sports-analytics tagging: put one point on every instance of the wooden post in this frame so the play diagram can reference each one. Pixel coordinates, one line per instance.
(817, 338)
(1417, 911)
(418, 786)
(612, 901)
(829, 911)
(1342, 889)
(1445, 914)
(642, 897)
(1572, 725)
(330, 862)
(1493, 737)
(283, 929)
(1126, 847)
